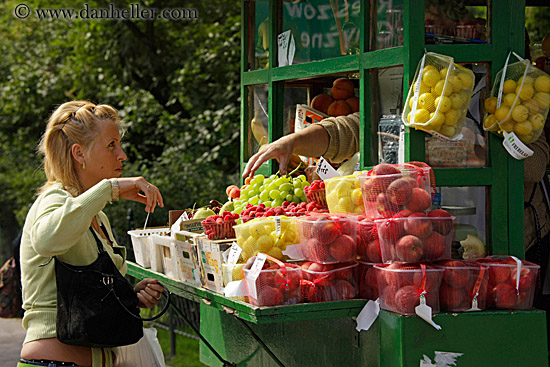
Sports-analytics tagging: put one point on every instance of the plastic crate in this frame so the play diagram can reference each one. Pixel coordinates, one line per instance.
(273, 287)
(141, 246)
(187, 257)
(328, 282)
(165, 247)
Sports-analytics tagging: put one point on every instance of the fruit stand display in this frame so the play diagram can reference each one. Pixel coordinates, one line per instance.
(283, 263)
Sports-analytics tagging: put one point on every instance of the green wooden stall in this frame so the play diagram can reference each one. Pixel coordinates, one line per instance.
(380, 37)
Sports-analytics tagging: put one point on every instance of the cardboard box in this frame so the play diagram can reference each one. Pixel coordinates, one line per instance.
(163, 246)
(192, 225)
(211, 260)
(187, 258)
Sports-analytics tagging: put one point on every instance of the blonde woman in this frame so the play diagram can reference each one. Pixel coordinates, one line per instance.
(83, 164)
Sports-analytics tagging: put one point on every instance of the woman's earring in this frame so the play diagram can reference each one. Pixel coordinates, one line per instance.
(83, 165)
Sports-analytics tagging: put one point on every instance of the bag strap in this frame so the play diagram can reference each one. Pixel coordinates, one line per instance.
(164, 309)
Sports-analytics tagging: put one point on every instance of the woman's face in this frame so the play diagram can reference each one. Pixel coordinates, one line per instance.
(104, 158)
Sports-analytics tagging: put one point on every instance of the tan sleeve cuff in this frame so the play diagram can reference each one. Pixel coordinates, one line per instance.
(343, 133)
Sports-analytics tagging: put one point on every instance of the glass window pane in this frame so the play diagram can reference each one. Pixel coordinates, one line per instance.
(258, 34)
(451, 22)
(387, 24)
(320, 29)
(258, 118)
(468, 204)
(386, 112)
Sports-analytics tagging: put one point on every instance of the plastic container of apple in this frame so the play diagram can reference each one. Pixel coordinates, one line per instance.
(277, 283)
(512, 282)
(401, 286)
(328, 282)
(390, 188)
(366, 280)
(416, 237)
(328, 238)
(464, 286)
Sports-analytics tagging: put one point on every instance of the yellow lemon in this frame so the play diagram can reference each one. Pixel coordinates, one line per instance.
(436, 119)
(411, 100)
(491, 104)
(490, 123)
(440, 88)
(456, 101)
(424, 88)
(443, 104)
(537, 121)
(357, 196)
(528, 80)
(502, 113)
(542, 83)
(443, 73)
(409, 117)
(509, 86)
(520, 113)
(455, 82)
(426, 101)
(428, 67)
(430, 77)
(507, 125)
(542, 99)
(532, 106)
(275, 252)
(451, 117)
(421, 116)
(509, 99)
(466, 80)
(526, 138)
(523, 128)
(447, 130)
(525, 92)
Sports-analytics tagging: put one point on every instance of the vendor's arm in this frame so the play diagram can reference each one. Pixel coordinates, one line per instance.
(335, 138)
(64, 218)
(534, 167)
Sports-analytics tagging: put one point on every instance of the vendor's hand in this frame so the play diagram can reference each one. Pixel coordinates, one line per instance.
(130, 188)
(148, 292)
(280, 149)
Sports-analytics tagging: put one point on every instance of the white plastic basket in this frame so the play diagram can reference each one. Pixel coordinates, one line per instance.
(140, 244)
(164, 255)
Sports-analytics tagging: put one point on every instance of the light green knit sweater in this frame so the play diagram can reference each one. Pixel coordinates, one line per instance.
(58, 224)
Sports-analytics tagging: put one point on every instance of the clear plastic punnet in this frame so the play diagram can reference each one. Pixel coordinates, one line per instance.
(413, 237)
(366, 280)
(401, 286)
(464, 286)
(328, 282)
(277, 283)
(343, 194)
(439, 96)
(328, 238)
(390, 188)
(512, 282)
(270, 235)
(519, 101)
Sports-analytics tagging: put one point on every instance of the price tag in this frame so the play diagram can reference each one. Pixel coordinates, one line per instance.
(518, 272)
(515, 146)
(368, 315)
(278, 226)
(283, 43)
(234, 253)
(184, 216)
(325, 170)
(253, 274)
(425, 312)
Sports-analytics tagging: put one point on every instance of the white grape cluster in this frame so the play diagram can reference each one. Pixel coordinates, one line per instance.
(272, 191)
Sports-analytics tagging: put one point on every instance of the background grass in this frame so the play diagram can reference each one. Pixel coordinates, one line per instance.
(187, 350)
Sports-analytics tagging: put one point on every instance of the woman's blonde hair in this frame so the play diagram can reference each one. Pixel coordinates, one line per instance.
(71, 123)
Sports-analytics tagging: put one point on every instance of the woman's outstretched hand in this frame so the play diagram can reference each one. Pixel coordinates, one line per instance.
(132, 187)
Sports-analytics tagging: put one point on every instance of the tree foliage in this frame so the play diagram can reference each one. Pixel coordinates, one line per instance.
(175, 84)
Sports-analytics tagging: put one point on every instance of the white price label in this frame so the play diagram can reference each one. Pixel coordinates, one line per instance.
(425, 312)
(257, 266)
(234, 253)
(278, 226)
(325, 170)
(185, 216)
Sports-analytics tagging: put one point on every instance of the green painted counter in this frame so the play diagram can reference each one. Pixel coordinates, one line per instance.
(324, 334)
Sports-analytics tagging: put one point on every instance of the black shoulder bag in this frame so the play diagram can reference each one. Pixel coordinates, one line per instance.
(97, 306)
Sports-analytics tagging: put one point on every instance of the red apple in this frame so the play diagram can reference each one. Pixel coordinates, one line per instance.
(399, 191)
(420, 200)
(324, 230)
(419, 225)
(442, 226)
(451, 298)
(390, 230)
(409, 249)
(434, 246)
(505, 295)
(406, 299)
(343, 248)
(456, 273)
(499, 273)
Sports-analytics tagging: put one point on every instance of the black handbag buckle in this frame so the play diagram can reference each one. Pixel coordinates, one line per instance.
(107, 280)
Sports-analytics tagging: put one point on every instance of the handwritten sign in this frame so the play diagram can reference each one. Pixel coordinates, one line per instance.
(325, 170)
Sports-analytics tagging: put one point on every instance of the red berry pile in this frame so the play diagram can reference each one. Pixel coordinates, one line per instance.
(288, 208)
(316, 192)
(294, 210)
(217, 227)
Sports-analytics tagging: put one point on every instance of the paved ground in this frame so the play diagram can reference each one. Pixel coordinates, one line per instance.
(11, 338)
